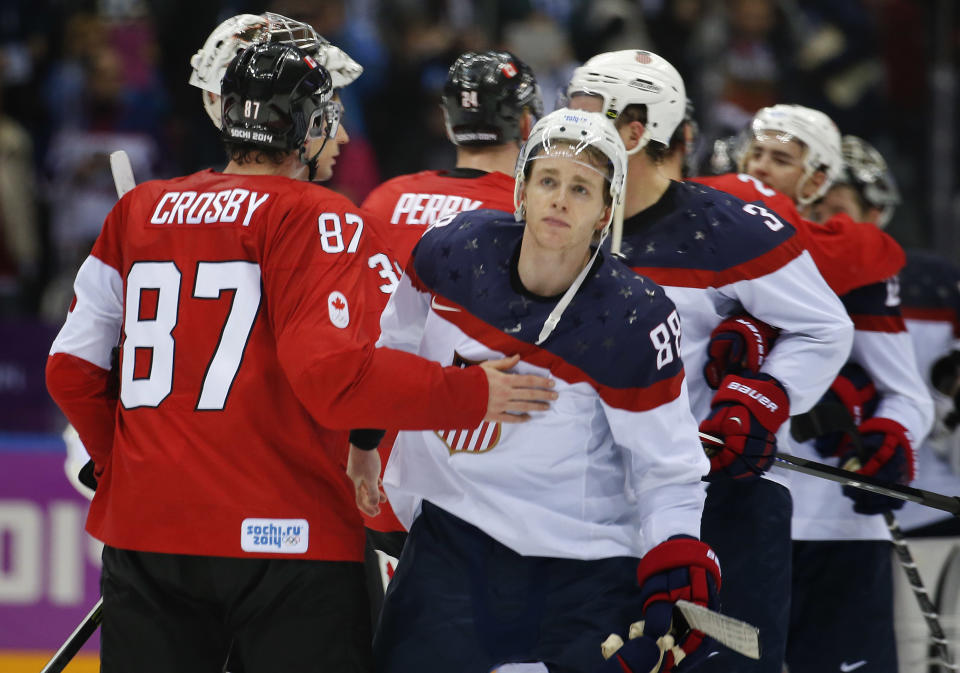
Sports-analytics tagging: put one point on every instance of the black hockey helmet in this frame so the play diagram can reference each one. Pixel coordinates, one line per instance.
(485, 96)
(273, 95)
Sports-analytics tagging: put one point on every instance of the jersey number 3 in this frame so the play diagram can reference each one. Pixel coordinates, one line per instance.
(152, 310)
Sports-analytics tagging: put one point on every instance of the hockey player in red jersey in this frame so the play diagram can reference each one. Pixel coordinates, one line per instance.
(222, 501)
(233, 36)
(841, 554)
(524, 545)
(716, 257)
(490, 102)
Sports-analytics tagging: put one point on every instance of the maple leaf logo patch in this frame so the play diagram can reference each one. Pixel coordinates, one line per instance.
(338, 309)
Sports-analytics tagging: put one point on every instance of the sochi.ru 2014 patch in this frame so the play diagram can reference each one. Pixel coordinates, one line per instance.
(275, 536)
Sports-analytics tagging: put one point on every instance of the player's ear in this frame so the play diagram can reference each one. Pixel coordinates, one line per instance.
(813, 183)
(604, 218)
(631, 134)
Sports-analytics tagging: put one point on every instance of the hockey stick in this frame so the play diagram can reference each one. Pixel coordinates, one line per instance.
(76, 640)
(938, 640)
(833, 421)
(739, 636)
(947, 599)
(122, 172)
(124, 182)
(946, 503)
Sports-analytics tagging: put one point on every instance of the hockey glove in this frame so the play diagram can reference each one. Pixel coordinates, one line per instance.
(886, 453)
(680, 568)
(745, 414)
(851, 398)
(738, 344)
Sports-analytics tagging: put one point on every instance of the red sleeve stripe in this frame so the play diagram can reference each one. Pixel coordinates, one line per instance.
(628, 399)
(766, 263)
(878, 323)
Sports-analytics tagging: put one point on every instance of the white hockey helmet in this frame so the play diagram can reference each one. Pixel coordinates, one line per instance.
(568, 133)
(635, 77)
(866, 171)
(238, 32)
(814, 130)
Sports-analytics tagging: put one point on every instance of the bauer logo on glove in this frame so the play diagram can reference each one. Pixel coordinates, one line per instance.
(745, 414)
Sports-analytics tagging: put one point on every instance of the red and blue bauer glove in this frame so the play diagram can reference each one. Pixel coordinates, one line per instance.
(684, 568)
(745, 414)
(739, 344)
(885, 452)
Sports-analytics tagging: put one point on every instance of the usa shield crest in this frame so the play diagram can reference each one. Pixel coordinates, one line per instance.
(476, 440)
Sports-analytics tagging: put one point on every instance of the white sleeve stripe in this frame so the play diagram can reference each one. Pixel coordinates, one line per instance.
(93, 326)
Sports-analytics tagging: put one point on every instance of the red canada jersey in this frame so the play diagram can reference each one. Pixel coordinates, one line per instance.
(408, 204)
(382, 268)
(848, 254)
(239, 305)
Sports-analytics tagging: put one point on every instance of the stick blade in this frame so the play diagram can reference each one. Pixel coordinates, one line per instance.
(739, 636)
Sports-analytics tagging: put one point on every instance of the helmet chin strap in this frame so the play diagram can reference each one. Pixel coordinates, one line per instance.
(311, 163)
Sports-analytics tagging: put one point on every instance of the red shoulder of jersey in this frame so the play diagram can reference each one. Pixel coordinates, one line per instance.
(748, 188)
(408, 204)
(853, 254)
(848, 254)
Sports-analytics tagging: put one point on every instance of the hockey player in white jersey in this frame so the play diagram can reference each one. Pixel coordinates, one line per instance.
(841, 562)
(930, 304)
(718, 257)
(524, 545)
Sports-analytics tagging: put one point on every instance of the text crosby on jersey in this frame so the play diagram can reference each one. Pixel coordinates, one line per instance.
(207, 207)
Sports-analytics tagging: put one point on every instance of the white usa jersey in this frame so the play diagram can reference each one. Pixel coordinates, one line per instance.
(715, 257)
(882, 346)
(613, 468)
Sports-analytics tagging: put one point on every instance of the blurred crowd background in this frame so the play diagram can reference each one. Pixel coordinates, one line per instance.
(81, 79)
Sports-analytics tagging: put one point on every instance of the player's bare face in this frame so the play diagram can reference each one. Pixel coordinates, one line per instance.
(840, 199)
(776, 163)
(564, 204)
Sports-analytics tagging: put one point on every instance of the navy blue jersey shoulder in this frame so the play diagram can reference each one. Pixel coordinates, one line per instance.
(697, 227)
(930, 282)
(877, 299)
(606, 329)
